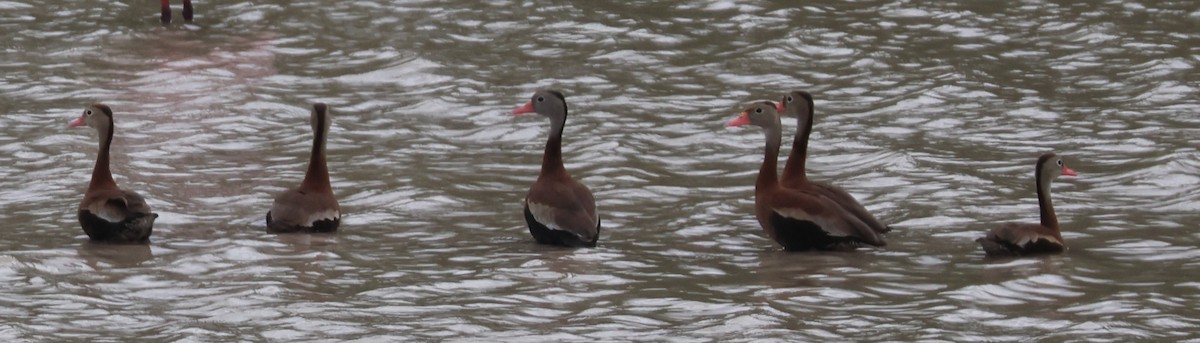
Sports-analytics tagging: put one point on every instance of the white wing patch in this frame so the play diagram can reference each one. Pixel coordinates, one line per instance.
(795, 214)
(825, 224)
(102, 210)
(1024, 240)
(543, 214)
(322, 215)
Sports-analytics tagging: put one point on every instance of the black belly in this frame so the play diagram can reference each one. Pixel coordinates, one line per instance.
(135, 229)
(320, 226)
(801, 235)
(994, 246)
(546, 235)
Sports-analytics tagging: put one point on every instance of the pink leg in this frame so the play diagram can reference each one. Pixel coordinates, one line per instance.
(166, 11)
(187, 10)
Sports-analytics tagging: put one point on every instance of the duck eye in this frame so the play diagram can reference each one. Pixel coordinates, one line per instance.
(1060, 163)
(758, 110)
(789, 99)
(88, 112)
(541, 99)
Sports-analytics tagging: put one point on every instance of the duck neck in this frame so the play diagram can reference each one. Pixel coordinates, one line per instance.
(101, 175)
(794, 170)
(1049, 219)
(767, 174)
(552, 158)
(317, 176)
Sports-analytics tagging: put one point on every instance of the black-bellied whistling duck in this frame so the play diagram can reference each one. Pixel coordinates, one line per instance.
(311, 207)
(797, 219)
(800, 105)
(558, 210)
(166, 11)
(107, 213)
(1014, 239)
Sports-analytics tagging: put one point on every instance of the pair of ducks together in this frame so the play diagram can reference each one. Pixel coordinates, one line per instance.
(110, 214)
(801, 214)
(797, 213)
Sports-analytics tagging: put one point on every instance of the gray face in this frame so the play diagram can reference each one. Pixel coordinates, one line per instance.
(95, 117)
(795, 104)
(1052, 168)
(1055, 167)
(763, 114)
(548, 104)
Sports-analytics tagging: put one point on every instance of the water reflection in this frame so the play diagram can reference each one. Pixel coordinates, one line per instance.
(115, 255)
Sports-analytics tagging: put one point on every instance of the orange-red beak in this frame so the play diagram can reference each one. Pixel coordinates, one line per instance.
(527, 108)
(742, 119)
(81, 121)
(1068, 171)
(779, 106)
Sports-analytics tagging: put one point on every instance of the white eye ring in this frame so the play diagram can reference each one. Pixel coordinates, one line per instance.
(541, 99)
(790, 99)
(88, 112)
(1059, 162)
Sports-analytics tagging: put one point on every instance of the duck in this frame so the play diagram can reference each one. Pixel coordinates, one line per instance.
(310, 207)
(800, 105)
(797, 219)
(108, 213)
(1014, 239)
(166, 11)
(558, 210)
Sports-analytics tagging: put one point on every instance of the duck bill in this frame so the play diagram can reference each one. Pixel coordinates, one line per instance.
(81, 121)
(1068, 171)
(527, 108)
(741, 120)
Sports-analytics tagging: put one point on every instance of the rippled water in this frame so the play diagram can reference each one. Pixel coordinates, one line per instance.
(931, 114)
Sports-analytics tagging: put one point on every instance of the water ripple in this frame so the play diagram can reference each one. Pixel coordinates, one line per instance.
(932, 115)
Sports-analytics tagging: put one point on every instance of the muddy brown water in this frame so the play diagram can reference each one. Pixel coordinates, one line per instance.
(931, 114)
